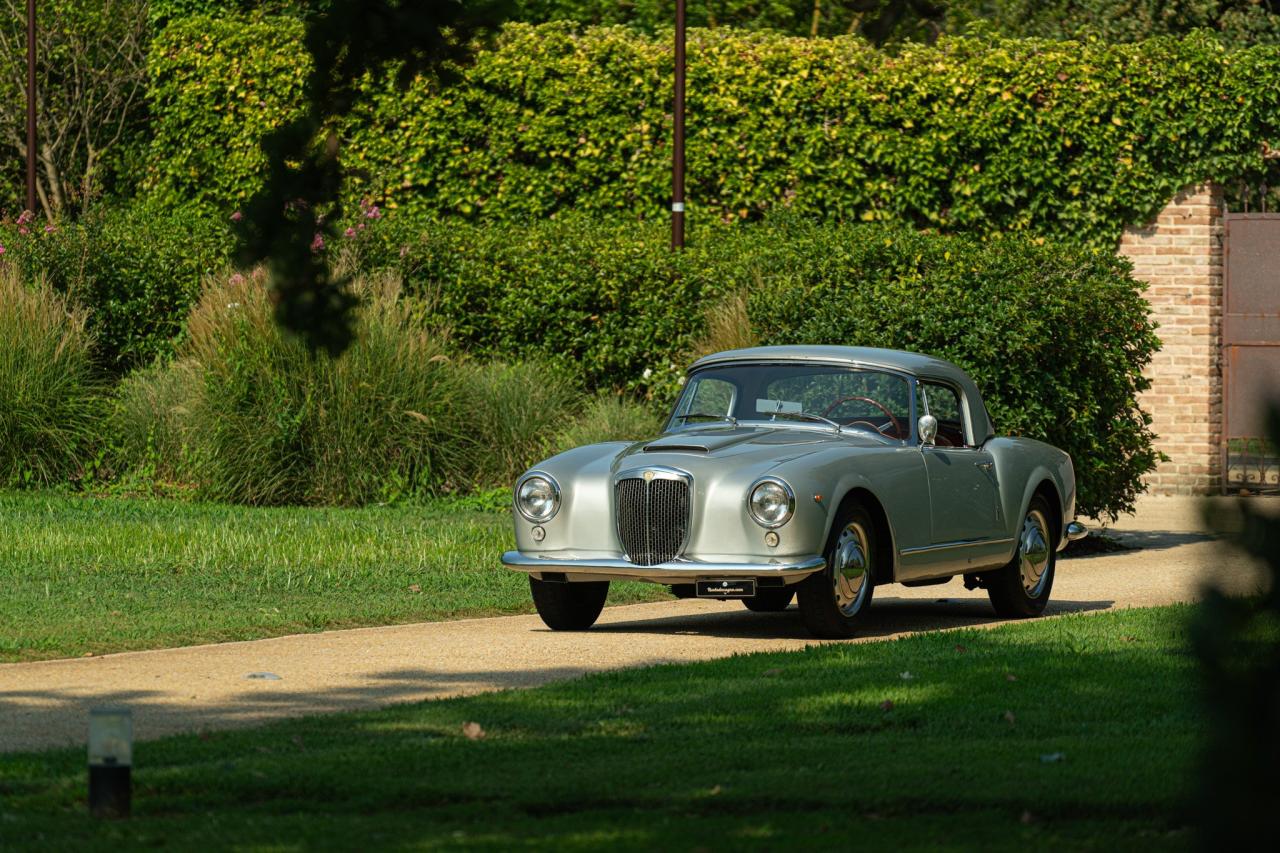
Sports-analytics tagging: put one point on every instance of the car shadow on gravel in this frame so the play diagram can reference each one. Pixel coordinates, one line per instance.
(1119, 541)
(886, 618)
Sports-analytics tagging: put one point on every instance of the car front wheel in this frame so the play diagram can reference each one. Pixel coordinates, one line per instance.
(833, 600)
(1021, 588)
(568, 606)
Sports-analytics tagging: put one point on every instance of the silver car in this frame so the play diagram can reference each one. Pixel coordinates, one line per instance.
(809, 472)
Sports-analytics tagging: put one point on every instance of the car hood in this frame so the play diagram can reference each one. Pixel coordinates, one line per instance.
(740, 446)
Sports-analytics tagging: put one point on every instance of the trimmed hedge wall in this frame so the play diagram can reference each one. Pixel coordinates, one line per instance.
(1056, 337)
(1064, 140)
(219, 84)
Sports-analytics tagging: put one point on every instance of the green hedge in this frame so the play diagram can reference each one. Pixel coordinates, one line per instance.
(219, 84)
(1056, 337)
(136, 271)
(1064, 140)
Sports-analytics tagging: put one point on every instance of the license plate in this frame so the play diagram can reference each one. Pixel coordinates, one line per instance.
(742, 588)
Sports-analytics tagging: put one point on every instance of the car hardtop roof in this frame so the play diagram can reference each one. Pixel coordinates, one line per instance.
(908, 362)
(914, 363)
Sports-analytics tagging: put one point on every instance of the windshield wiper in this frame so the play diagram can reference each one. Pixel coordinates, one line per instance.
(812, 416)
(708, 416)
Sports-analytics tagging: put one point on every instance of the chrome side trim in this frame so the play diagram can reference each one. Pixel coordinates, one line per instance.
(680, 569)
(963, 543)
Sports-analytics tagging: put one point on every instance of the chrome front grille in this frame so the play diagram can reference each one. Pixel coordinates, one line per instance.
(653, 518)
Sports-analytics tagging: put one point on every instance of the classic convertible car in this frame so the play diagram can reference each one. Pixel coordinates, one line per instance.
(813, 472)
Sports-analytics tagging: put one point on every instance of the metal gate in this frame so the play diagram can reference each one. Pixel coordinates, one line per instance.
(1251, 350)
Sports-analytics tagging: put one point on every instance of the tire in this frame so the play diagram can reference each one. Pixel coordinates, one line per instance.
(568, 606)
(1021, 589)
(833, 600)
(772, 600)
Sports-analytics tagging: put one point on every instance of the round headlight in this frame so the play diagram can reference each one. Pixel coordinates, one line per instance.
(771, 503)
(538, 498)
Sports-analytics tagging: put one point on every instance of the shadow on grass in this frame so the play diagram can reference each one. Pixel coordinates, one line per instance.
(51, 717)
(888, 617)
(1062, 734)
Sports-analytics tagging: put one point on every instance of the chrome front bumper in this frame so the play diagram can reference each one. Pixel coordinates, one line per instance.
(1075, 530)
(675, 571)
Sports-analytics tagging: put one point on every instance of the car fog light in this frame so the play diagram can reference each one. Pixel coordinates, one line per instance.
(771, 539)
(538, 497)
(539, 534)
(771, 502)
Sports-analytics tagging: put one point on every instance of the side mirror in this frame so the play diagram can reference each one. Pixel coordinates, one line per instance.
(927, 426)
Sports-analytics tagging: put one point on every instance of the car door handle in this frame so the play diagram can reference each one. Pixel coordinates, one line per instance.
(985, 466)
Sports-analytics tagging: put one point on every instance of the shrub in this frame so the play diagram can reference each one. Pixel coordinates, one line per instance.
(604, 302)
(219, 84)
(1065, 140)
(50, 395)
(273, 423)
(248, 415)
(512, 413)
(136, 271)
(148, 423)
(610, 417)
(1056, 337)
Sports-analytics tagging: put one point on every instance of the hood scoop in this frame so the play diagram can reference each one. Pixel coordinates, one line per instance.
(675, 448)
(701, 441)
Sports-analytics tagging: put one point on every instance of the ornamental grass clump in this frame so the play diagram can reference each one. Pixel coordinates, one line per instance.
(50, 392)
(274, 423)
(512, 414)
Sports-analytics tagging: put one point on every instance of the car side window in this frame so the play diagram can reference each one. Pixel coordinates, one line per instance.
(943, 403)
(710, 396)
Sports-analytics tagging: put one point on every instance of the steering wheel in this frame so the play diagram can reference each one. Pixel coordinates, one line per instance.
(897, 427)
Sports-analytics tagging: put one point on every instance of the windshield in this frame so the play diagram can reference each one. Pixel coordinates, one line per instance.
(850, 397)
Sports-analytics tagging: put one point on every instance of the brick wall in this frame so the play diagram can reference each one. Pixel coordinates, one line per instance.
(1179, 255)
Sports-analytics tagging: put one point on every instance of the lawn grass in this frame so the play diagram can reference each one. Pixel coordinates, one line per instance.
(1072, 733)
(86, 575)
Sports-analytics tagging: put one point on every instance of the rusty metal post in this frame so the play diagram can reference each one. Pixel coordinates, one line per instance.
(677, 148)
(31, 105)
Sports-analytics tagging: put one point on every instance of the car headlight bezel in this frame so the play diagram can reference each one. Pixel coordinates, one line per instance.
(531, 514)
(784, 497)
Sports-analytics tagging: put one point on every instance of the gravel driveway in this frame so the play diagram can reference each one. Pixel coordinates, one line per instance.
(201, 688)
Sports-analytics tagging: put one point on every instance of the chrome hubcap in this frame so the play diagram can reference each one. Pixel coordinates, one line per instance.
(1034, 552)
(850, 568)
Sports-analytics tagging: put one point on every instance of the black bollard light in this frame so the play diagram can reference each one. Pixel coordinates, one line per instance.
(110, 762)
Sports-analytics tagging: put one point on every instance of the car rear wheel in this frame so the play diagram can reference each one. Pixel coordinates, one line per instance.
(833, 600)
(568, 606)
(773, 600)
(1021, 588)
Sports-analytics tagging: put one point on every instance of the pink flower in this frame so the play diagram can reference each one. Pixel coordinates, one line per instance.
(49, 229)
(373, 213)
(1, 250)
(23, 230)
(237, 216)
(350, 232)
(318, 243)
(25, 217)
(236, 278)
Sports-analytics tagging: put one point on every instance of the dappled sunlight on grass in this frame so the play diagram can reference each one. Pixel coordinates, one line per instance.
(1071, 733)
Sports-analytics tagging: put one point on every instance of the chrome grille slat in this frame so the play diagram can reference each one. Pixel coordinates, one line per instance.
(652, 518)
